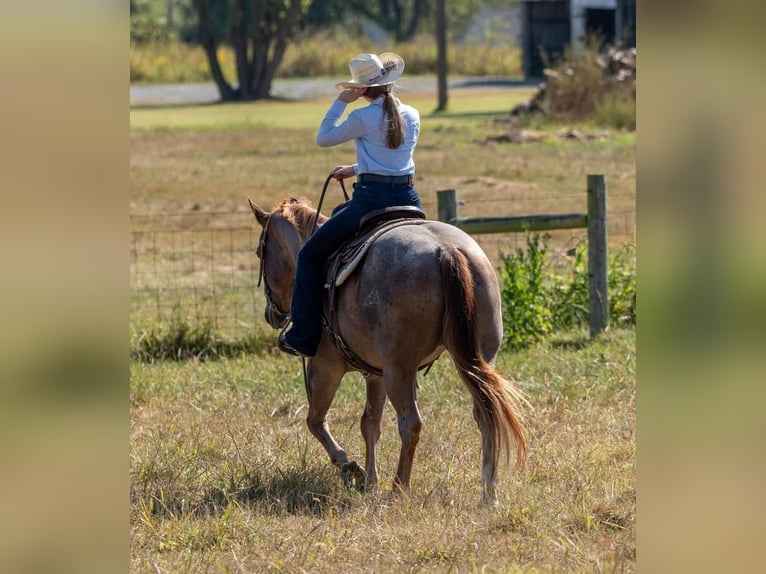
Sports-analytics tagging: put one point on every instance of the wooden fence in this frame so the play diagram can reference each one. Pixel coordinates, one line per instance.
(594, 220)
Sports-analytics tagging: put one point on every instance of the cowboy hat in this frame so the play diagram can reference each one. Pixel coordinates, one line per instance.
(368, 70)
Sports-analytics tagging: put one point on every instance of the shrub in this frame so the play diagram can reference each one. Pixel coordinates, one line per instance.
(526, 315)
(536, 300)
(618, 110)
(569, 303)
(588, 86)
(180, 340)
(622, 286)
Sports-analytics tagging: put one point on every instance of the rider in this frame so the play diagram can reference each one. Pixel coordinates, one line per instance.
(385, 133)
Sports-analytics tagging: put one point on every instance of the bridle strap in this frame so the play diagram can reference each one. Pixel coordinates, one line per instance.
(321, 200)
(262, 249)
(261, 277)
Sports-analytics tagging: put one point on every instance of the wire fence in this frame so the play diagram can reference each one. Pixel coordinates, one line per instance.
(200, 267)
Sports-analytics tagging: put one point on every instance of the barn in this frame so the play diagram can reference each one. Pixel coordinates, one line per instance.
(549, 26)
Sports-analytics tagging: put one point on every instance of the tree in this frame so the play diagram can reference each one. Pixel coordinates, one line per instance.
(402, 18)
(441, 43)
(258, 31)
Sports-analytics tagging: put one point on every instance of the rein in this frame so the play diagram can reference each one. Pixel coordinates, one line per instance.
(261, 251)
(321, 200)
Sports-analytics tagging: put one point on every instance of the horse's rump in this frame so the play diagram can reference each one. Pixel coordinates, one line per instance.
(400, 292)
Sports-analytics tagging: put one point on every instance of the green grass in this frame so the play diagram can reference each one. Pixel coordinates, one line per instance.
(224, 473)
(471, 107)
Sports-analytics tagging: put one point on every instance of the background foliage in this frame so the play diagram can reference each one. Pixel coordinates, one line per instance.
(167, 20)
(539, 300)
(175, 62)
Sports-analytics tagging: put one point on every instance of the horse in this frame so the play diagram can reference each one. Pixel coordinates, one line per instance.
(420, 290)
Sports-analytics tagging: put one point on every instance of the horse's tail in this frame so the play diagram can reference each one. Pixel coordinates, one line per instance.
(496, 401)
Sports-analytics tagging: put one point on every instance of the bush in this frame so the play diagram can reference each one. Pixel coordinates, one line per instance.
(180, 340)
(537, 301)
(526, 315)
(617, 110)
(569, 302)
(588, 86)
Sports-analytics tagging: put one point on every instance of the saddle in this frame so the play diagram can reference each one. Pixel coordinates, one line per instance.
(349, 257)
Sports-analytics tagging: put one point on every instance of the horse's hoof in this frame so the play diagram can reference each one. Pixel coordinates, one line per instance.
(353, 475)
(489, 503)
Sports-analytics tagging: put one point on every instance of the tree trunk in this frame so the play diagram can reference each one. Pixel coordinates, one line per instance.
(259, 43)
(441, 43)
(228, 93)
(412, 28)
(210, 45)
(239, 44)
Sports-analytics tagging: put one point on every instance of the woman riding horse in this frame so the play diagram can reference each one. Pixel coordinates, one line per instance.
(385, 133)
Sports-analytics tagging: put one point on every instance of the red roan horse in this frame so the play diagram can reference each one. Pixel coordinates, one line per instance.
(421, 289)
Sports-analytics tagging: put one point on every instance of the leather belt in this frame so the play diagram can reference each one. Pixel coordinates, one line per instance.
(375, 178)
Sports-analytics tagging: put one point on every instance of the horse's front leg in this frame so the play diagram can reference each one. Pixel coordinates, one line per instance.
(322, 381)
(371, 418)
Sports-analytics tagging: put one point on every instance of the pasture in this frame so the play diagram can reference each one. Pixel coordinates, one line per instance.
(225, 477)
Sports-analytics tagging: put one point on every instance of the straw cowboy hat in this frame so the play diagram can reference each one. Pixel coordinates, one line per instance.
(368, 70)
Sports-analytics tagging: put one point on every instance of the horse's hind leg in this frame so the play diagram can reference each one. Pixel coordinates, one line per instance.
(373, 412)
(488, 470)
(323, 381)
(401, 392)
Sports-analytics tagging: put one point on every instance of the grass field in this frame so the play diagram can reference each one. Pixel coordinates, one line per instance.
(225, 477)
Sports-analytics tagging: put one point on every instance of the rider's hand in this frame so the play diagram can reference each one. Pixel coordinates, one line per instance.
(343, 171)
(351, 94)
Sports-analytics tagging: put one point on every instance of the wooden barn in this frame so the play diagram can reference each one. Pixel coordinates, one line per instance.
(549, 26)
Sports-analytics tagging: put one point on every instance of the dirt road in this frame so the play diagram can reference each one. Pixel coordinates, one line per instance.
(300, 89)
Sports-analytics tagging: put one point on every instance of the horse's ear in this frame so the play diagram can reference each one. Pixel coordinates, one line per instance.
(260, 214)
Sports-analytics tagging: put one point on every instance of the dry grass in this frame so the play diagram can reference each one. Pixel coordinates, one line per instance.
(225, 476)
(211, 158)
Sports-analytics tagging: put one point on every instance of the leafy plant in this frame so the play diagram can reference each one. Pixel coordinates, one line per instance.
(537, 301)
(569, 301)
(526, 313)
(179, 340)
(622, 286)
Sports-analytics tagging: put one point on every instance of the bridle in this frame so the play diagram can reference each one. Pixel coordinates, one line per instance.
(274, 309)
(261, 252)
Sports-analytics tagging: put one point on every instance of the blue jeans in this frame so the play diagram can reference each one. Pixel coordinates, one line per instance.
(308, 290)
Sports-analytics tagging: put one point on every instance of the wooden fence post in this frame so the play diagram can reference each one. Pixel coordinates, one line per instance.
(446, 205)
(598, 298)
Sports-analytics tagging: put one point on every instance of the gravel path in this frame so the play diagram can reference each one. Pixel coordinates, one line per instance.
(185, 94)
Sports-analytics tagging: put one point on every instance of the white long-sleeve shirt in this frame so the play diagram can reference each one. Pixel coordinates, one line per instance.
(367, 127)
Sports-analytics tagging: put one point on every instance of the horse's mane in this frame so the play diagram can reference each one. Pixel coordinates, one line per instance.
(299, 212)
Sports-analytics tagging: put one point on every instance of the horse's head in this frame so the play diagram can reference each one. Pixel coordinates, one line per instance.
(283, 232)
